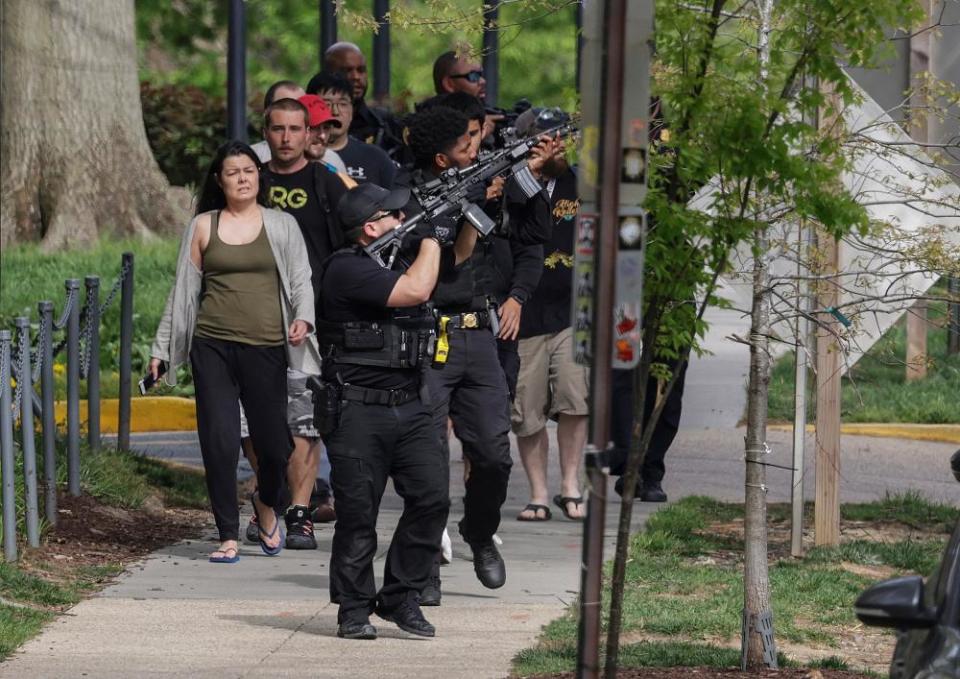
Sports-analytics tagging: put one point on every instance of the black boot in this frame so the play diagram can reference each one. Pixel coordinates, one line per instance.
(356, 629)
(408, 617)
(488, 564)
(651, 491)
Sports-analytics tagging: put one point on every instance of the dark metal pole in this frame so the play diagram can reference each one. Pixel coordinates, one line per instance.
(73, 388)
(381, 50)
(6, 452)
(237, 71)
(491, 50)
(328, 27)
(608, 187)
(92, 284)
(27, 434)
(49, 423)
(126, 349)
(953, 326)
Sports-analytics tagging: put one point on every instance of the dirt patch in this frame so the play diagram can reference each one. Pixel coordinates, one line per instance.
(89, 533)
(715, 673)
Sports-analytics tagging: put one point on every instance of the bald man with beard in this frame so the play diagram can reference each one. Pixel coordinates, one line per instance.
(375, 126)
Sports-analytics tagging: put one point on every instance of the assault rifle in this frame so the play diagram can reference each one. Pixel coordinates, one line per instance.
(447, 194)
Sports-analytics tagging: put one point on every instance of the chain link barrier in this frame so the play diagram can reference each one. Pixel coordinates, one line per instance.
(67, 308)
(86, 331)
(117, 284)
(19, 368)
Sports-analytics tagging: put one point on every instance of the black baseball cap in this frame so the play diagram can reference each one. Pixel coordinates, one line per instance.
(362, 202)
(536, 120)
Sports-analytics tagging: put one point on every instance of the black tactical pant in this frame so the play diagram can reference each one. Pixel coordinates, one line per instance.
(371, 443)
(470, 387)
(621, 423)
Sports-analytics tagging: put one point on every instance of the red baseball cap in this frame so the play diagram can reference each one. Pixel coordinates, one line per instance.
(318, 110)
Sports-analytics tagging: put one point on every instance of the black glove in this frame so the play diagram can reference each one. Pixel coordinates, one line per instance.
(443, 230)
(477, 193)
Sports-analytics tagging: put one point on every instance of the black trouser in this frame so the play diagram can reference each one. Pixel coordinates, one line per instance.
(621, 423)
(223, 373)
(508, 351)
(471, 388)
(371, 443)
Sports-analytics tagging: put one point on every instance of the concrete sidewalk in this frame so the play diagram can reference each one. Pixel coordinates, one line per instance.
(176, 615)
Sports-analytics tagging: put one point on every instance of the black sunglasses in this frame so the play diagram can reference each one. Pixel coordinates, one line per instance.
(384, 215)
(471, 77)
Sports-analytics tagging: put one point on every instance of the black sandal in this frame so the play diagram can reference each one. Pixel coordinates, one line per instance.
(562, 503)
(536, 509)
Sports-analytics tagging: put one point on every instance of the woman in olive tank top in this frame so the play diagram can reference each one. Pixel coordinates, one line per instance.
(239, 341)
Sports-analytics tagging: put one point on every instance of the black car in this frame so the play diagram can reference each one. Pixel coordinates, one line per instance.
(927, 616)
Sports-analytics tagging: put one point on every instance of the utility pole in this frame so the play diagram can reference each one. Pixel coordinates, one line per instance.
(608, 250)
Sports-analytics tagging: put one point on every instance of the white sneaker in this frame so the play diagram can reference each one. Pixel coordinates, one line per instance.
(446, 548)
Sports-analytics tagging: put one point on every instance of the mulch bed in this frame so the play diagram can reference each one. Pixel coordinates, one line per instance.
(89, 533)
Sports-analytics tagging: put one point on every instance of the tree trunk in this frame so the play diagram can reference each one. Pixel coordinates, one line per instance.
(74, 156)
(756, 582)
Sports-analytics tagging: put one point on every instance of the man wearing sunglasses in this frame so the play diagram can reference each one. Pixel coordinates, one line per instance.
(454, 72)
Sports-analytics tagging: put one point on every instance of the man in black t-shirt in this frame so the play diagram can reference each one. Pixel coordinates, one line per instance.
(365, 162)
(373, 125)
(307, 190)
(375, 336)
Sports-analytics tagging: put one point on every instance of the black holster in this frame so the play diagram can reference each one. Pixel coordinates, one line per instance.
(326, 405)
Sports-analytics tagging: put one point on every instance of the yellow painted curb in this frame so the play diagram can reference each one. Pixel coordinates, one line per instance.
(147, 413)
(947, 433)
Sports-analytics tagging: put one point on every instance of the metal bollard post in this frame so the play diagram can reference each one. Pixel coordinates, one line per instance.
(73, 389)
(27, 434)
(6, 452)
(47, 418)
(126, 349)
(92, 284)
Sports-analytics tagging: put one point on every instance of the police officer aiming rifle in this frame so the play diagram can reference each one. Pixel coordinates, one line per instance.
(375, 335)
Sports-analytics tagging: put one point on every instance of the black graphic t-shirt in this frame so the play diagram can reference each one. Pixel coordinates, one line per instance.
(357, 289)
(297, 195)
(368, 163)
(548, 309)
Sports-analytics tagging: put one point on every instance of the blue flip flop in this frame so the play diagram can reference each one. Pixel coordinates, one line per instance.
(226, 559)
(263, 537)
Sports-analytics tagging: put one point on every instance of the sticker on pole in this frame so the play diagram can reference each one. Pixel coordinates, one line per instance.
(629, 292)
(584, 280)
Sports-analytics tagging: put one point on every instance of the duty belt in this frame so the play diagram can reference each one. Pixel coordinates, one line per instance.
(471, 320)
(381, 397)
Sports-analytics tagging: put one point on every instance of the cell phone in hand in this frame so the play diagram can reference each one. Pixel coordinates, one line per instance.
(147, 381)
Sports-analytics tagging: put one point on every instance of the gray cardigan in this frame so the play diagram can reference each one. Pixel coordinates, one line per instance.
(175, 332)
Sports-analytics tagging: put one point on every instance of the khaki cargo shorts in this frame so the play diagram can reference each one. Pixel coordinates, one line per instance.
(550, 382)
(299, 408)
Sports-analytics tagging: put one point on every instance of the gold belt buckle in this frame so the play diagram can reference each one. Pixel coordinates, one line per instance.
(470, 321)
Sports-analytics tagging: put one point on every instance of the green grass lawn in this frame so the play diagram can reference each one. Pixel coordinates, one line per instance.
(30, 275)
(684, 580)
(876, 389)
(30, 598)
